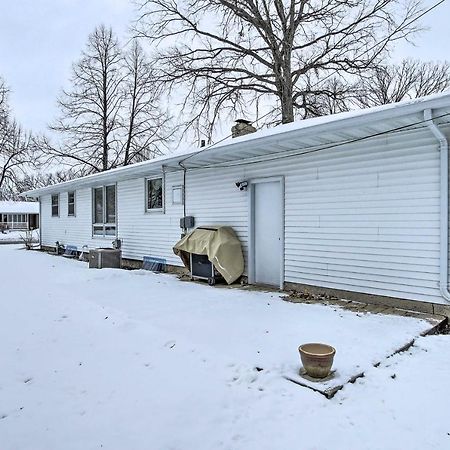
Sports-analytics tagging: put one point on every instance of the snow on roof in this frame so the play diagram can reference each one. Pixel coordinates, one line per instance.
(345, 119)
(338, 117)
(19, 207)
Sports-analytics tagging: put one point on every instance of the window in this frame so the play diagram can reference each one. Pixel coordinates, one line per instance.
(177, 195)
(71, 203)
(55, 205)
(154, 194)
(104, 211)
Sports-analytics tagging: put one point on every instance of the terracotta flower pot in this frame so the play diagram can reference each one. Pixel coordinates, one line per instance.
(317, 359)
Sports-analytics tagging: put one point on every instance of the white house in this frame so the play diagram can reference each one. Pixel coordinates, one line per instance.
(353, 203)
(19, 215)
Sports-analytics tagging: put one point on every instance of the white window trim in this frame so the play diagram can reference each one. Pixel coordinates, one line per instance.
(51, 205)
(155, 210)
(74, 204)
(104, 224)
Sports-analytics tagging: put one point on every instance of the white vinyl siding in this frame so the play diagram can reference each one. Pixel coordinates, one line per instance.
(148, 234)
(362, 217)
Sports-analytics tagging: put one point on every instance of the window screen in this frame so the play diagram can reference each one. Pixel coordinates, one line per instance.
(98, 205)
(104, 211)
(55, 205)
(110, 204)
(71, 203)
(154, 194)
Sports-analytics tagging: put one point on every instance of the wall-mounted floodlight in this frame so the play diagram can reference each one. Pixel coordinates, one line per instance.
(242, 185)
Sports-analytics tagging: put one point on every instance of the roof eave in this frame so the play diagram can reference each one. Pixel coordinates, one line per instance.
(122, 173)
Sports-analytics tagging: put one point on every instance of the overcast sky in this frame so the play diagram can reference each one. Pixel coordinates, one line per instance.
(39, 40)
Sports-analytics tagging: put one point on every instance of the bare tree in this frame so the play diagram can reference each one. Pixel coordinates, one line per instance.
(16, 157)
(4, 108)
(16, 152)
(111, 115)
(409, 79)
(147, 127)
(333, 97)
(37, 180)
(89, 122)
(4, 118)
(232, 54)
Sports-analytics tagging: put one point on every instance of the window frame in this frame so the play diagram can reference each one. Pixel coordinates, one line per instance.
(69, 203)
(104, 225)
(163, 194)
(57, 205)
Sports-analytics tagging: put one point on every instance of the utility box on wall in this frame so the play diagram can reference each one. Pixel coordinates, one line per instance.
(187, 222)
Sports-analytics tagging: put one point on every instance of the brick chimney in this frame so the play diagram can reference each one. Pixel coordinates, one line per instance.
(242, 127)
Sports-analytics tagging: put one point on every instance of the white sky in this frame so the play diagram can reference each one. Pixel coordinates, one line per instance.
(39, 40)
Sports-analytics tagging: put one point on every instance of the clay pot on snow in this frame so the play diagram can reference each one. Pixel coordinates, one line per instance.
(317, 359)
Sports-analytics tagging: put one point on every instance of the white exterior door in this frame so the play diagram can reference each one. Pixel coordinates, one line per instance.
(267, 228)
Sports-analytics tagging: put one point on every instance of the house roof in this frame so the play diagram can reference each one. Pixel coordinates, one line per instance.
(315, 132)
(7, 207)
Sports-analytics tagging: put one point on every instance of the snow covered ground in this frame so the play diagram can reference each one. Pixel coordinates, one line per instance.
(115, 359)
(11, 236)
(16, 236)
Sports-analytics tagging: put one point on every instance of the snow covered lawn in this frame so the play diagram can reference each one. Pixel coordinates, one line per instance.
(16, 236)
(115, 359)
(11, 235)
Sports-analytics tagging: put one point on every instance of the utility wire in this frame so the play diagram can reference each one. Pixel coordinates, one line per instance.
(326, 147)
(386, 39)
(184, 168)
(431, 8)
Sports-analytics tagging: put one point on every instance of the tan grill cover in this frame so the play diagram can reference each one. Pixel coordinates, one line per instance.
(220, 244)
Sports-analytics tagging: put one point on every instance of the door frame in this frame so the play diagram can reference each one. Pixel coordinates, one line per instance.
(251, 220)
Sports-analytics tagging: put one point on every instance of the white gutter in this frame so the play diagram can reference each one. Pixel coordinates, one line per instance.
(443, 253)
(264, 138)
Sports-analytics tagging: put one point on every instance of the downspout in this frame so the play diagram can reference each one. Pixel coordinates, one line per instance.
(443, 252)
(40, 223)
(163, 167)
(184, 194)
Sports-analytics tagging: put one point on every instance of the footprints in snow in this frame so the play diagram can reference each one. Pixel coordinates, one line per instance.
(246, 376)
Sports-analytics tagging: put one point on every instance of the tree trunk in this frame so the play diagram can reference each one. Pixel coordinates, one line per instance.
(287, 104)
(287, 90)
(105, 115)
(126, 160)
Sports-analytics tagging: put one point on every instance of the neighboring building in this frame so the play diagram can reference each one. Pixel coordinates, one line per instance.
(353, 203)
(19, 215)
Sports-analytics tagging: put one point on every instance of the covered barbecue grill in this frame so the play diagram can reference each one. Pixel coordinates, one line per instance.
(209, 250)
